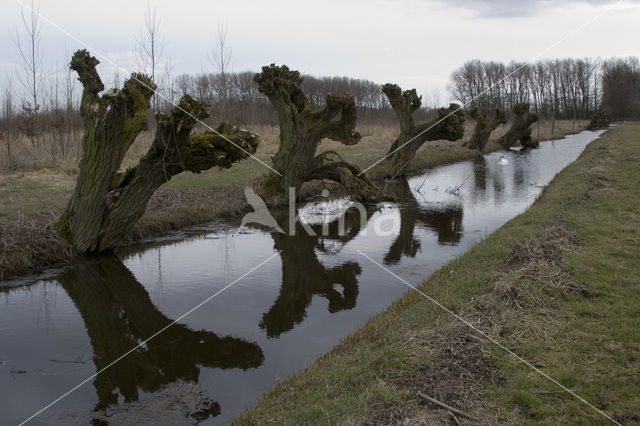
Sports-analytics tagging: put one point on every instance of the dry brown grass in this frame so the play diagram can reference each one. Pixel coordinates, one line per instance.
(455, 363)
(376, 141)
(35, 193)
(33, 198)
(30, 244)
(46, 153)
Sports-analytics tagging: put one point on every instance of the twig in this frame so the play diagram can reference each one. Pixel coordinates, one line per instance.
(446, 407)
(455, 190)
(67, 362)
(419, 187)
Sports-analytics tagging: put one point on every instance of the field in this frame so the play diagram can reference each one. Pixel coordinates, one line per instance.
(558, 286)
(32, 197)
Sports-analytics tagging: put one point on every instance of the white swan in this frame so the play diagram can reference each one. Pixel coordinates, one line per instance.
(502, 161)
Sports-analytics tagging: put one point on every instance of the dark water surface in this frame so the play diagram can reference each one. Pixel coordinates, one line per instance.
(272, 323)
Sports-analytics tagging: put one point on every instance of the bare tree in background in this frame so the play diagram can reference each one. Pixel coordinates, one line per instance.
(171, 95)
(184, 83)
(151, 45)
(246, 105)
(28, 45)
(555, 88)
(70, 104)
(53, 121)
(7, 129)
(621, 88)
(58, 114)
(221, 60)
(430, 97)
(117, 78)
(30, 78)
(597, 80)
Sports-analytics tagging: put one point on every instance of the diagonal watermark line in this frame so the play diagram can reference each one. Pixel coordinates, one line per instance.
(491, 339)
(529, 62)
(160, 95)
(141, 344)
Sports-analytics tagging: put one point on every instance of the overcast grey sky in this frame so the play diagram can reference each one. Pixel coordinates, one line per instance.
(415, 43)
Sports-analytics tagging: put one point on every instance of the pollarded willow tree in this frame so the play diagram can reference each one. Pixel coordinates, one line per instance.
(486, 122)
(448, 124)
(302, 129)
(106, 203)
(520, 128)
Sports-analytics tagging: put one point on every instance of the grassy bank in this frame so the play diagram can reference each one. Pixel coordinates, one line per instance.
(559, 285)
(31, 200)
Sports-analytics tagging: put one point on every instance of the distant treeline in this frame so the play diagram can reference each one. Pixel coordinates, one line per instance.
(563, 89)
(53, 125)
(560, 88)
(621, 88)
(234, 96)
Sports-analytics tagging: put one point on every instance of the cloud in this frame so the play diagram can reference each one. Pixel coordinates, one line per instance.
(496, 9)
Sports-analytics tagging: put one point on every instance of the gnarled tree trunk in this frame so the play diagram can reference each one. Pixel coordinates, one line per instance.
(486, 122)
(520, 129)
(448, 124)
(302, 129)
(106, 203)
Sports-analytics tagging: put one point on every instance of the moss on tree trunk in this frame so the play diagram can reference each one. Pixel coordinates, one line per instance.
(302, 129)
(486, 122)
(520, 128)
(448, 125)
(106, 203)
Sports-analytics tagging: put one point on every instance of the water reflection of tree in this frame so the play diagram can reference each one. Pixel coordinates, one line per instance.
(446, 221)
(303, 275)
(480, 174)
(521, 173)
(353, 220)
(119, 315)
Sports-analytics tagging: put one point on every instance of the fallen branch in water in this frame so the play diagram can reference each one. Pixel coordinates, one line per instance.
(455, 190)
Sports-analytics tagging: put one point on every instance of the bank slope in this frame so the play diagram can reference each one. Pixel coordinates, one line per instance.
(559, 286)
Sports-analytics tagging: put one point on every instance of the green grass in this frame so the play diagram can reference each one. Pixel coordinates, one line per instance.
(589, 341)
